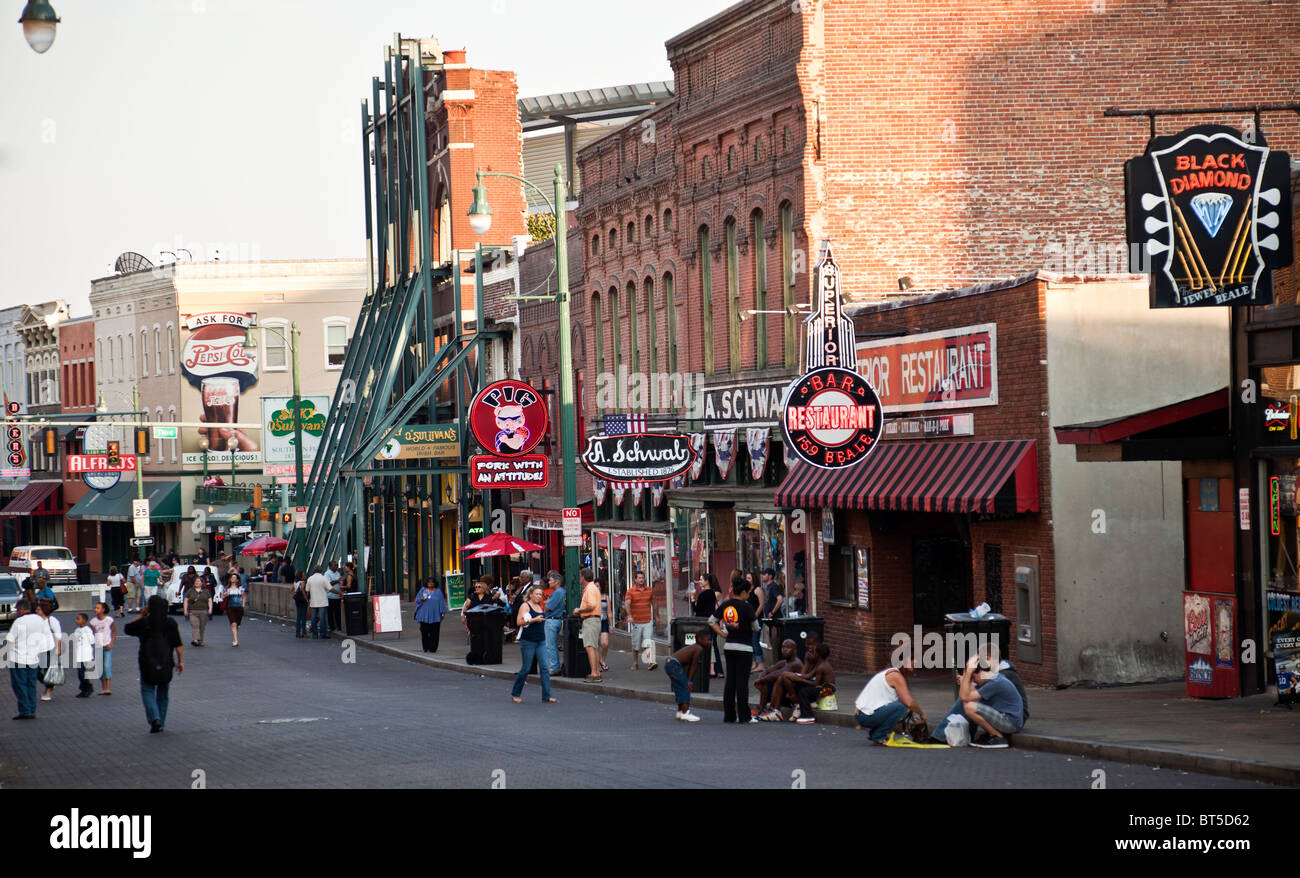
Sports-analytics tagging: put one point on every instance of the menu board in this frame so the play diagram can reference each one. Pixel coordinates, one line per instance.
(454, 582)
(388, 613)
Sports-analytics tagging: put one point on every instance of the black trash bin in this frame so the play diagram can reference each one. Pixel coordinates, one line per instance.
(796, 629)
(487, 624)
(83, 574)
(684, 630)
(354, 614)
(990, 629)
(574, 661)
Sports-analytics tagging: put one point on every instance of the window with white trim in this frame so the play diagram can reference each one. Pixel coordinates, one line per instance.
(275, 345)
(336, 342)
(171, 416)
(144, 353)
(171, 349)
(157, 349)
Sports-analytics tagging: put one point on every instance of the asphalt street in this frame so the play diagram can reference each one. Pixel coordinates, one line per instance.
(283, 712)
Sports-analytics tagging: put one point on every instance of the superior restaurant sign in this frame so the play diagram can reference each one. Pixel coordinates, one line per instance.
(952, 368)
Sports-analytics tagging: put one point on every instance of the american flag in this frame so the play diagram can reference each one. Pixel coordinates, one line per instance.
(617, 425)
(621, 425)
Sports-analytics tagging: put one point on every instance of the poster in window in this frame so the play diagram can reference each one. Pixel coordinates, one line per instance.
(863, 566)
(1209, 495)
(1224, 632)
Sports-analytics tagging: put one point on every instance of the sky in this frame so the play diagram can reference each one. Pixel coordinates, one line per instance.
(233, 125)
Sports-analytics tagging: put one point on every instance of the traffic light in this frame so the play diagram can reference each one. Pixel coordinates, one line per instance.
(286, 517)
(114, 453)
(250, 516)
(257, 496)
(266, 515)
(142, 441)
(51, 437)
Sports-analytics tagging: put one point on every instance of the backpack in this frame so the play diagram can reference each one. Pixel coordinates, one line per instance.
(156, 659)
(1011, 674)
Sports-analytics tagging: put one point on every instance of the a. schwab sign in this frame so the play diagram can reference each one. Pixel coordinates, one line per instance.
(638, 457)
(948, 369)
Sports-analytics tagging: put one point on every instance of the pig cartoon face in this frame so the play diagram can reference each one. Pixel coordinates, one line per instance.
(512, 435)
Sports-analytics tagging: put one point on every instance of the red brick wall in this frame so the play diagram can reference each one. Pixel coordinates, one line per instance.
(861, 639)
(964, 141)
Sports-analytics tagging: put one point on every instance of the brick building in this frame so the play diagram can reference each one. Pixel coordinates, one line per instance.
(78, 398)
(950, 149)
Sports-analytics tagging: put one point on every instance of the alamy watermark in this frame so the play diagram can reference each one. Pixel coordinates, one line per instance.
(680, 392)
(934, 650)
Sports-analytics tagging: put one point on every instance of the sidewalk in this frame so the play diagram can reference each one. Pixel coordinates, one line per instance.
(1150, 724)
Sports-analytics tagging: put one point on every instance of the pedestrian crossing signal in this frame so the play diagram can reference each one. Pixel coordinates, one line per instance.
(286, 517)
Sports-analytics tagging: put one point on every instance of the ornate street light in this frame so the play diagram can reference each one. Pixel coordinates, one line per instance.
(39, 21)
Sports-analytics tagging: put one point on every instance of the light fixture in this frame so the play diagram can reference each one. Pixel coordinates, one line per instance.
(480, 214)
(39, 21)
(250, 340)
(203, 443)
(905, 283)
(210, 509)
(102, 408)
(234, 446)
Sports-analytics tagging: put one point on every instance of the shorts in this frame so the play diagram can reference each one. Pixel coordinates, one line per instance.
(642, 635)
(604, 626)
(591, 632)
(234, 615)
(996, 718)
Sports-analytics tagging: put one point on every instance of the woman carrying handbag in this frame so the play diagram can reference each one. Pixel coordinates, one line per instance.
(53, 674)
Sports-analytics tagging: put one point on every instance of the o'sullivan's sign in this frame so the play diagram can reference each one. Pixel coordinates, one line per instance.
(831, 416)
(1209, 217)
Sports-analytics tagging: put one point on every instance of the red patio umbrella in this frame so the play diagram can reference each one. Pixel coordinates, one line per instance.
(494, 545)
(263, 546)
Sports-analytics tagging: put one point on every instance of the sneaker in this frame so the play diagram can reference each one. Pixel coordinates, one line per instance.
(688, 717)
(47, 698)
(805, 720)
(82, 695)
(652, 666)
(155, 727)
(989, 742)
(753, 719)
(771, 716)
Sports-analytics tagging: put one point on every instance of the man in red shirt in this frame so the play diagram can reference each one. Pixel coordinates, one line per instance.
(638, 604)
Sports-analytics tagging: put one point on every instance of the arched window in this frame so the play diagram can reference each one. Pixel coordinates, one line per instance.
(670, 318)
(595, 245)
(615, 330)
(634, 328)
(157, 349)
(668, 219)
(787, 282)
(108, 359)
(731, 158)
(649, 225)
(598, 330)
(144, 353)
(121, 359)
(652, 328)
(171, 349)
(158, 416)
(275, 345)
(171, 416)
(704, 169)
(733, 295)
(613, 239)
(706, 298)
(130, 360)
(631, 233)
(760, 288)
(758, 149)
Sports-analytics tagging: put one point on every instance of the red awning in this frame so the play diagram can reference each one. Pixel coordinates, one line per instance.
(1115, 429)
(31, 497)
(991, 477)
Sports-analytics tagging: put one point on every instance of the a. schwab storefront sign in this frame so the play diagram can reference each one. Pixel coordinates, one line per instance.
(278, 434)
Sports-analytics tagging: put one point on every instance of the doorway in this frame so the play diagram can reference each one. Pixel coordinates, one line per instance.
(940, 579)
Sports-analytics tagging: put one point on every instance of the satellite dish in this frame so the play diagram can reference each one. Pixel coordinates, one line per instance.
(131, 261)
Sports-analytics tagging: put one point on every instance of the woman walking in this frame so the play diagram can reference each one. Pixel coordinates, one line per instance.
(159, 639)
(706, 601)
(52, 675)
(116, 588)
(234, 606)
(301, 602)
(430, 607)
(603, 585)
(532, 640)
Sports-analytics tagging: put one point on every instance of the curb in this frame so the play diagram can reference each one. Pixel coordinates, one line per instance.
(1156, 757)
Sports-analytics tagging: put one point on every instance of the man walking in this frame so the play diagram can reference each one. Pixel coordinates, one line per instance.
(197, 607)
(28, 639)
(638, 605)
(555, 612)
(589, 613)
(335, 596)
(318, 591)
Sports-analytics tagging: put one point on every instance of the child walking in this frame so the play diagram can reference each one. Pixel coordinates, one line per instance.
(83, 653)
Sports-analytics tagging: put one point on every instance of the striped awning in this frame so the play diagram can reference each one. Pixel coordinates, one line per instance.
(31, 499)
(936, 476)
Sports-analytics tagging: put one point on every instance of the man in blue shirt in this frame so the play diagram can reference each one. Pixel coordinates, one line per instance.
(555, 611)
(990, 701)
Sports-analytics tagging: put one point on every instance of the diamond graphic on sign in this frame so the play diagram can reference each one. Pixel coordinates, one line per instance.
(1211, 208)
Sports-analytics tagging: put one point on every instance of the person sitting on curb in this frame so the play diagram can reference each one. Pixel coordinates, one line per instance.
(808, 684)
(766, 682)
(989, 701)
(680, 668)
(885, 701)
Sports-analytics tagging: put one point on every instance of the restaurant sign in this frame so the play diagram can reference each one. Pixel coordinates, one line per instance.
(831, 416)
(933, 371)
(1209, 217)
(639, 457)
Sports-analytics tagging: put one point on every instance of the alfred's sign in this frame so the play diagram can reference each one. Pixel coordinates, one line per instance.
(831, 416)
(639, 457)
(508, 418)
(1209, 216)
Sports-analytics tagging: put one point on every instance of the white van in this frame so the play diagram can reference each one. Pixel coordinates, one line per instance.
(57, 560)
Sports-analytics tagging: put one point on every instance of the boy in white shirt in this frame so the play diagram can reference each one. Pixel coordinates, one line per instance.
(83, 653)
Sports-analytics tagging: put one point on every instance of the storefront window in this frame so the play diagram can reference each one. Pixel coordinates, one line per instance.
(760, 541)
(1278, 531)
(1279, 390)
(621, 556)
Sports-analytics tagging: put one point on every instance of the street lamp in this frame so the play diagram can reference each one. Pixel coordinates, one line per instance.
(234, 447)
(135, 391)
(250, 343)
(203, 446)
(39, 22)
(480, 220)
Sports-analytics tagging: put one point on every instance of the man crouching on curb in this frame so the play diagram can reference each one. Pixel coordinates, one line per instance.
(993, 705)
(681, 671)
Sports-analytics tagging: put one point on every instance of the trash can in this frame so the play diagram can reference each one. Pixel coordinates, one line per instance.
(797, 629)
(970, 634)
(354, 614)
(574, 662)
(683, 631)
(83, 574)
(486, 623)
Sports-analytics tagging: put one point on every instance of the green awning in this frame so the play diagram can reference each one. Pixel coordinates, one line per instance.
(227, 513)
(115, 503)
